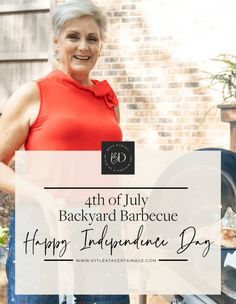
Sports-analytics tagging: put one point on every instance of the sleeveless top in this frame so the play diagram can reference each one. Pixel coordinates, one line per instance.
(72, 116)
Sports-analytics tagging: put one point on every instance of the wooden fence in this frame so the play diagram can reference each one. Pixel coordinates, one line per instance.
(24, 43)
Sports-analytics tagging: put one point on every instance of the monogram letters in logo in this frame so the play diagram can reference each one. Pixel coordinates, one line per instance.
(117, 157)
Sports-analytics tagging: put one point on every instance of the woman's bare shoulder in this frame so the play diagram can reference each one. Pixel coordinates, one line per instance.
(26, 93)
(23, 100)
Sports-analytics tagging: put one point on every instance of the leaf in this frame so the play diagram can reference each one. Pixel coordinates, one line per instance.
(226, 76)
(3, 235)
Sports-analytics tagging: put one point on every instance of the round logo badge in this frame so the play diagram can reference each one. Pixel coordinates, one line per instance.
(118, 157)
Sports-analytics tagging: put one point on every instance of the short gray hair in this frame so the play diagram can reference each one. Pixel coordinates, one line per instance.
(76, 9)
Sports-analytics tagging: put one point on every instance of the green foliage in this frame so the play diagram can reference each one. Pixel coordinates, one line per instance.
(3, 235)
(226, 77)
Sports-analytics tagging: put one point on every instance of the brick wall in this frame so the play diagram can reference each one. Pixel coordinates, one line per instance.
(154, 57)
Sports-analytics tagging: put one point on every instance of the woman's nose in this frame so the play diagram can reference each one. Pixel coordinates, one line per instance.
(83, 45)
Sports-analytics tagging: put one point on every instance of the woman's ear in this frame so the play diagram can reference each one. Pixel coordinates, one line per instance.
(55, 40)
(56, 48)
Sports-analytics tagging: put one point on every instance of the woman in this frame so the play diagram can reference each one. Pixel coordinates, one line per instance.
(36, 115)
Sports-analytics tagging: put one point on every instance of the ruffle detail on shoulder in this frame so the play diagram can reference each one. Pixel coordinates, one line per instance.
(103, 89)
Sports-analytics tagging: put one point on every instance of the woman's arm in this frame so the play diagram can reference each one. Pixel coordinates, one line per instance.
(19, 114)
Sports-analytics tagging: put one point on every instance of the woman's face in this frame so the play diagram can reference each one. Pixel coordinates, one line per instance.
(79, 45)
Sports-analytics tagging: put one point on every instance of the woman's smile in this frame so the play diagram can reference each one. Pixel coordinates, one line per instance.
(80, 57)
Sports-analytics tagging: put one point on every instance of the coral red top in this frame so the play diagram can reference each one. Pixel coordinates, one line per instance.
(72, 116)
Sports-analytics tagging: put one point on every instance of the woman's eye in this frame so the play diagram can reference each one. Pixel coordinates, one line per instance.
(72, 37)
(93, 39)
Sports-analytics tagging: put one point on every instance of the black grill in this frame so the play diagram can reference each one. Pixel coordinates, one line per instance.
(228, 199)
